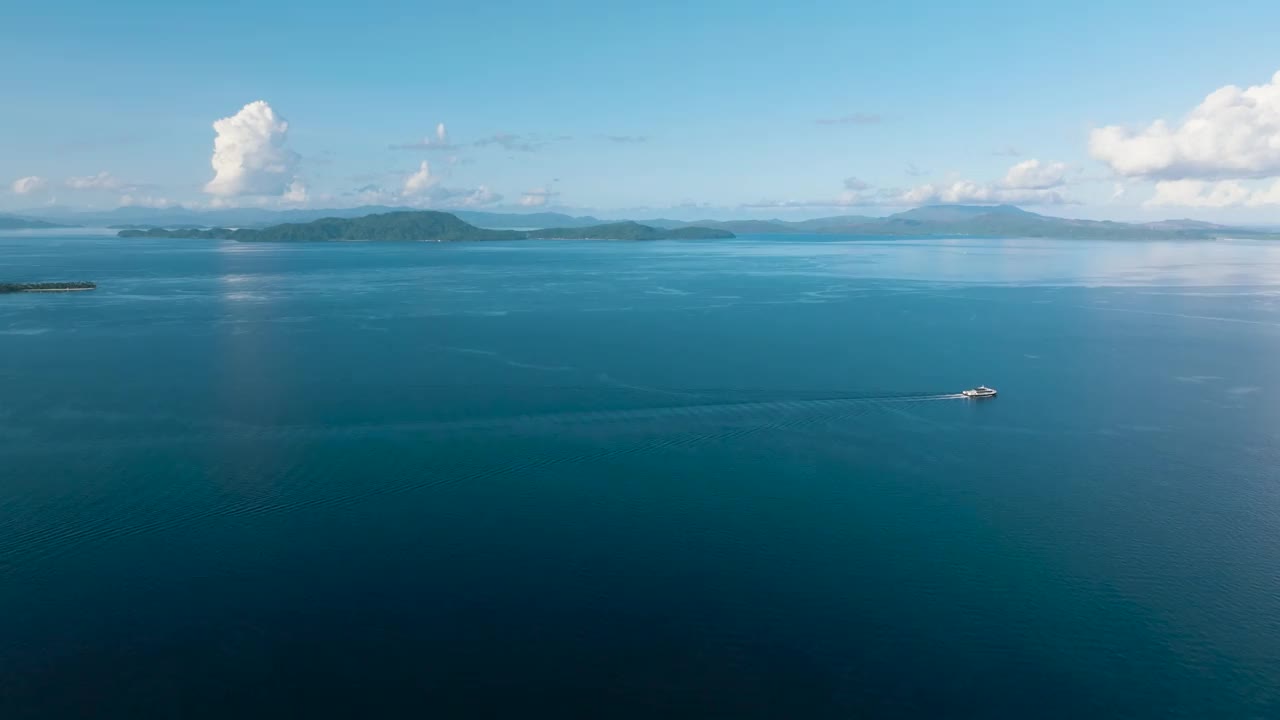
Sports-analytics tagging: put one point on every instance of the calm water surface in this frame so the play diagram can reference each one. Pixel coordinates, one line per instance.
(712, 479)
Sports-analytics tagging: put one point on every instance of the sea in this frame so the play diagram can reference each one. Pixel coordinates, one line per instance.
(711, 479)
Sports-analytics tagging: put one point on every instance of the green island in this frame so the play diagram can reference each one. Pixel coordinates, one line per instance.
(423, 226)
(46, 287)
(996, 221)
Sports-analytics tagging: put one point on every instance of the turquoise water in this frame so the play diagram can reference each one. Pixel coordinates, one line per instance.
(721, 479)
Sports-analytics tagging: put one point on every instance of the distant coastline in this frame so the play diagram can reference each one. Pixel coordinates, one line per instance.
(423, 226)
(13, 222)
(381, 223)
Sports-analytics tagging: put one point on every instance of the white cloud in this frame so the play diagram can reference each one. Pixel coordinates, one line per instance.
(419, 181)
(439, 142)
(296, 193)
(479, 197)
(1202, 194)
(445, 197)
(976, 193)
(1029, 182)
(512, 142)
(102, 181)
(1232, 134)
(1267, 197)
(423, 189)
(538, 198)
(29, 184)
(251, 155)
(1035, 175)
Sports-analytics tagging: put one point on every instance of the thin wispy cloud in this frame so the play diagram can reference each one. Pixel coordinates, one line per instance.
(511, 142)
(102, 181)
(627, 139)
(147, 201)
(857, 193)
(437, 142)
(538, 198)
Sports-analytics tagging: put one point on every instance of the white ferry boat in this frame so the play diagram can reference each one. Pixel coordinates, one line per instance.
(982, 391)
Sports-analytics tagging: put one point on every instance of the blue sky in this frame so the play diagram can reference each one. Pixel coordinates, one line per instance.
(744, 109)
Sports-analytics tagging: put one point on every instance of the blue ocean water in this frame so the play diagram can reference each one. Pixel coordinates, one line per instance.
(673, 479)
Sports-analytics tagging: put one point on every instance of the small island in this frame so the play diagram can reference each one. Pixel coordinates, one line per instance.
(422, 226)
(47, 287)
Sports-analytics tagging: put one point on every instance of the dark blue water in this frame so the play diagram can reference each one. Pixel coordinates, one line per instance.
(640, 480)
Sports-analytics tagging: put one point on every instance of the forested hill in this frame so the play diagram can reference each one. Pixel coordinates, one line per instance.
(421, 226)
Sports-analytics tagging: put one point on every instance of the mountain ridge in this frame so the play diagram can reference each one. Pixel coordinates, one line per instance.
(927, 220)
(420, 226)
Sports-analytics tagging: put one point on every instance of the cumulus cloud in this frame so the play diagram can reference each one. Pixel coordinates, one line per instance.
(976, 193)
(538, 198)
(1203, 194)
(29, 184)
(251, 155)
(1035, 175)
(446, 197)
(858, 118)
(422, 188)
(419, 181)
(1030, 182)
(1268, 197)
(1232, 134)
(296, 193)
(479, 197)
(102, 181)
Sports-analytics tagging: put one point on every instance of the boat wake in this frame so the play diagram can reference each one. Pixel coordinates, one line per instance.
(609, 435)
